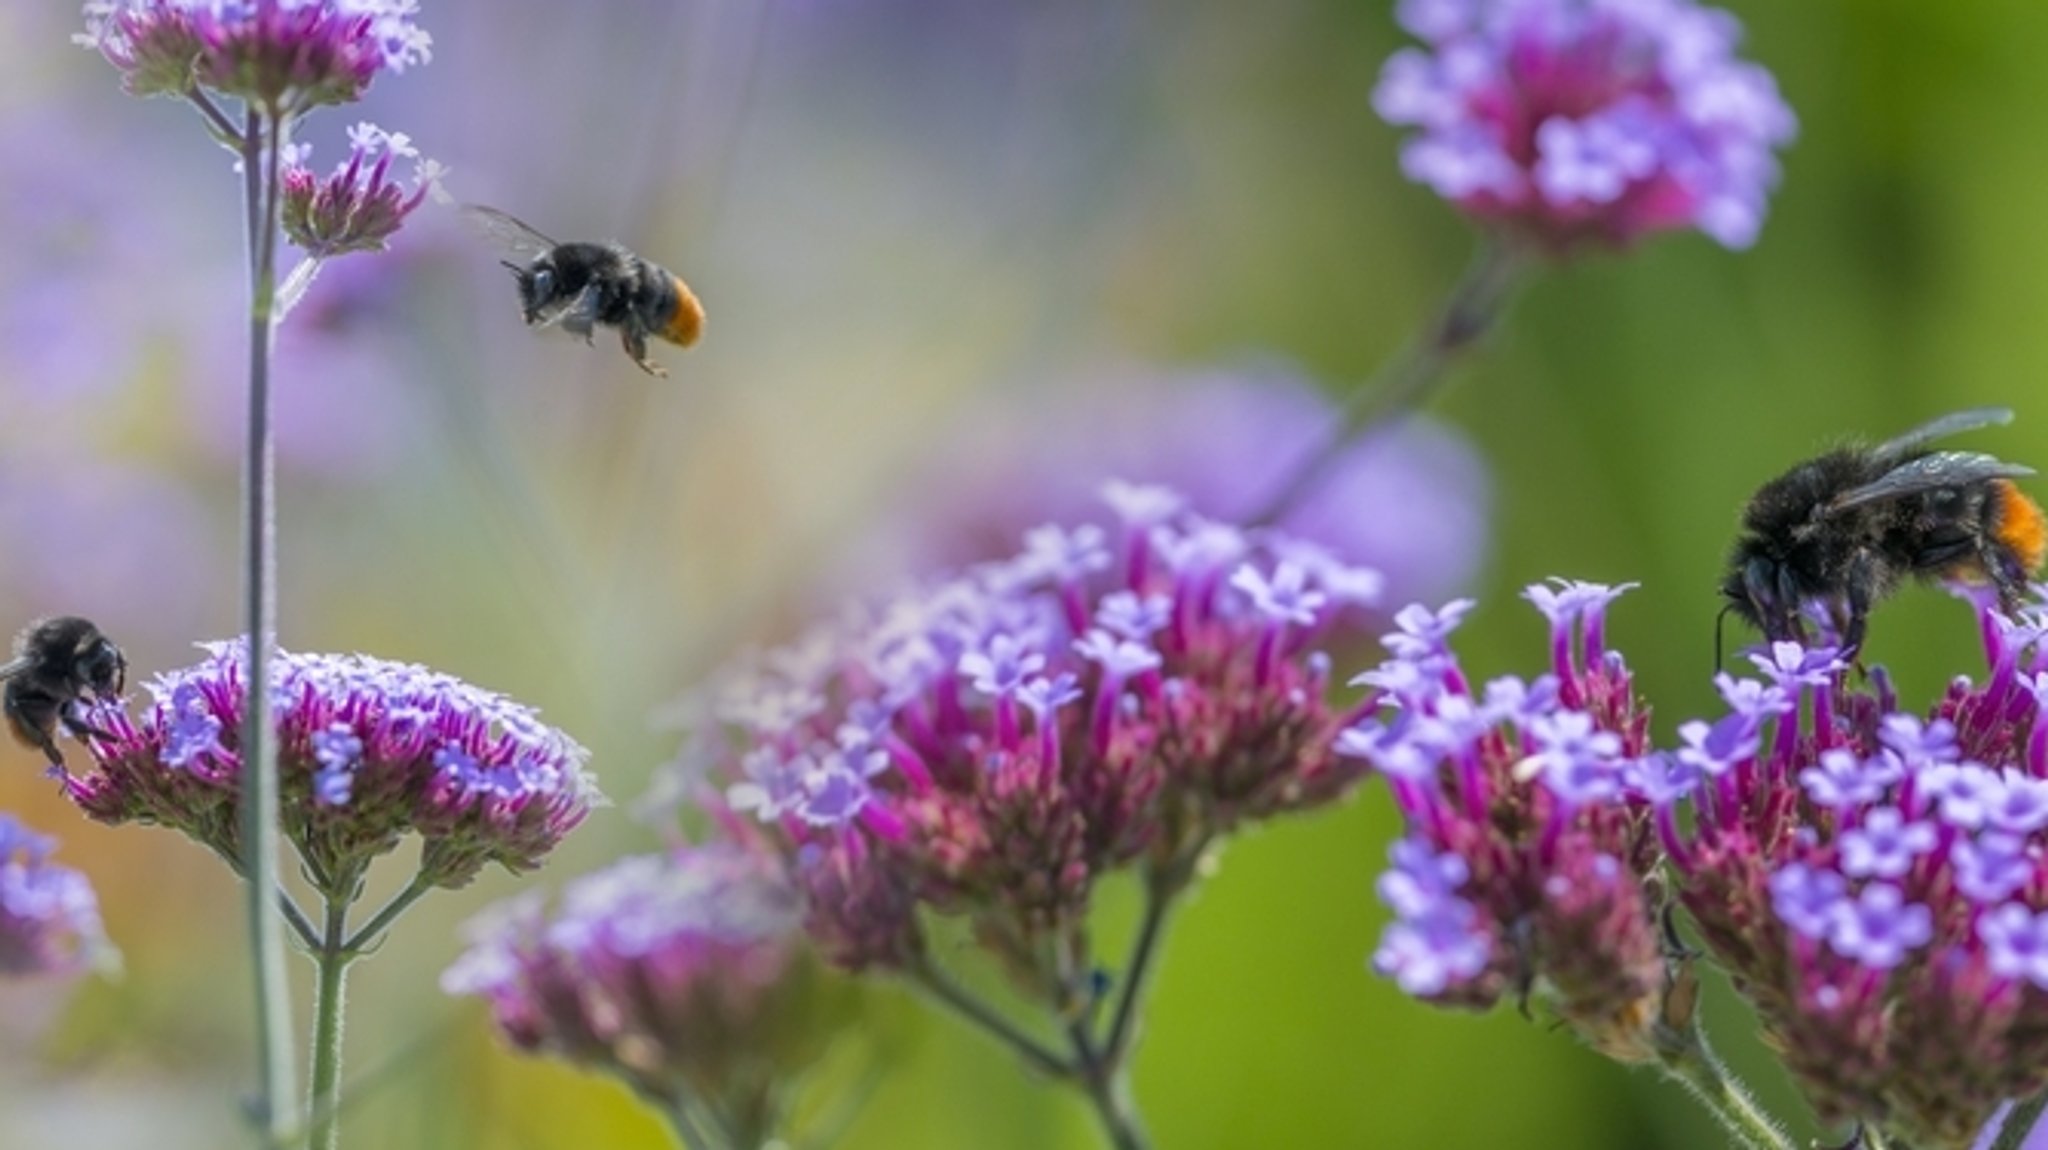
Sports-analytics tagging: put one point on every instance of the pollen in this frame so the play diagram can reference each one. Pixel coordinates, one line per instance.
(688, 322)
(2020, 525)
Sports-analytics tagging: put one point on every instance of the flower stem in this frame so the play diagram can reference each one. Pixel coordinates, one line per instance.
(259, 813)
(967, 1005)
(1687, 1059)
(1161, 893)
(332, 961)
(1109, 1091)
(1475, 304)
(2020, 1122)
(380, 922)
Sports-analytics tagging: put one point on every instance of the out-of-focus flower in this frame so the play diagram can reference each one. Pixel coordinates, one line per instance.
(356, 208)
(1528, 834)
(103, 527)
(1411, 503)
(685, 974)
(369, 751)
(294, 54)
(1872, 878)
(49, 918)
(1577, 120)
(991, 744)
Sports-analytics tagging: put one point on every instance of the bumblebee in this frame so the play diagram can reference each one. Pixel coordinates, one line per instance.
(58, 662)
(584, 286)
(1842, 531)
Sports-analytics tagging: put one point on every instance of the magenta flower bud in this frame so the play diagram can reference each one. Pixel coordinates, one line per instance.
(288, 54)
(1587, 121)
(49, 917)
(359, 206)
(369, 752)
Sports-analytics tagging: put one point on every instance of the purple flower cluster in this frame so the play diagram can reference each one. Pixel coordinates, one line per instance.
(368, 751)
(357, 207)
(288, 54)
(684, 971)
(49, 918)
(1875, 879)
(1587, 120)
(1527, 807)
(991, 744)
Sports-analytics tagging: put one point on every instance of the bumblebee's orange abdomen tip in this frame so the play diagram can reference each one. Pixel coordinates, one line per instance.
(2021, 526)
(687, 324)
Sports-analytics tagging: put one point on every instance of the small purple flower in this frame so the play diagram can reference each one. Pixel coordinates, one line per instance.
(1884, 844)
(49, 917)
(1002, 667)
(357, 207)
(294, 54)
(1284, 598)
(1715, 748)
(1807, 898)
(1577, 761)
(1919, 744)
(1878, 926)
(2021, 806)
(1140, 506)
(1988, 869)
(1752, 697)
(1792, 666)
(1120, 658)
(1429, 953)
(1842, 780)
(1578, 120)
(1421, 632)
(2016, 943)
(835, 786)
(1054, 553)
(1419, 878)
(1966, 792)
(338, 752)
(192, 729)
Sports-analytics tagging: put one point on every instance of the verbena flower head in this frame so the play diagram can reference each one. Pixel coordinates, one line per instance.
(49, 918)
(1587, 120)
(357, 207)
(1874, 879)
(292, 54)
(685, 970)
(1528, 823)
(991, 744)
(369, 751)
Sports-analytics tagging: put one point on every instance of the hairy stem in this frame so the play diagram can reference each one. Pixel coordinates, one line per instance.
(386, 915)
(1475, 304)
(1109, 1093)
(259, 812)
(1162, 891)
(2020, 1122)
(332, 960)
(1688, 1060)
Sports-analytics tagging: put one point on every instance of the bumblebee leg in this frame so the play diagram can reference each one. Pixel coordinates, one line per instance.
(635, 342)
(30, 732)
(1861, 589)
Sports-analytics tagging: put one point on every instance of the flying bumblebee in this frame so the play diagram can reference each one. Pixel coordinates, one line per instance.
(584, 286)
(56, 663)
(1842, 531)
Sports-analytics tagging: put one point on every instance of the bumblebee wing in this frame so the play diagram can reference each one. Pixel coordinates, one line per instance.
(13, 667)
(507, 232)
(1928, 473)
(1950, 424)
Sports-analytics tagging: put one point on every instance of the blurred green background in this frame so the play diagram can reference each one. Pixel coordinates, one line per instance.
(891, 208)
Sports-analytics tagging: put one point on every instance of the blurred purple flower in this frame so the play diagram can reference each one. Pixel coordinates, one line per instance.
(1411, 504)
(477, 775)
(680, 971)
(296, 54)
(49, 917)
(1576, 120)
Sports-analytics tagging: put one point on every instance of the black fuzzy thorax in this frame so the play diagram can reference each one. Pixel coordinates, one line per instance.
(632, 292)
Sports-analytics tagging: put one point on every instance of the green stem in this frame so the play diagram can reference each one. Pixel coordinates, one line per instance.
(1475, 304)
(259, 811)
(332, 961)
(2020, 1122)
(1108, 1090)
(963, 1002)
(1161, 893)
(1688, 1060)
(367, 937)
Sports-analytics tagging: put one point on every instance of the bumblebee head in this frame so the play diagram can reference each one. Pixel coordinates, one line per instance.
(1760, 591)
(538, 285)
(102, 668)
